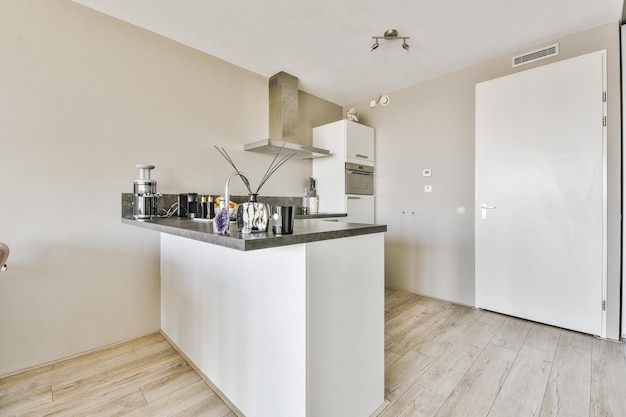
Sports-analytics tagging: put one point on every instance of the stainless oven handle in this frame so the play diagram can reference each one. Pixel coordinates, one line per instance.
(359, 173)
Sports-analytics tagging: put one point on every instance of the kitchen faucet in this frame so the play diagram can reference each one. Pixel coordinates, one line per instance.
(226, 199)
(221, 222)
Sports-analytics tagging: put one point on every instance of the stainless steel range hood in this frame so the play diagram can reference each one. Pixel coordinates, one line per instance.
(283, 97)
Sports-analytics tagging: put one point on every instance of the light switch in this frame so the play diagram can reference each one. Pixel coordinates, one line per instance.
(428, 188)
(427, 173)
(460, 210)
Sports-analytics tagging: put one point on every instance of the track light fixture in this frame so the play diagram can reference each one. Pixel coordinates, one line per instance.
(390, 35)
(383, 100)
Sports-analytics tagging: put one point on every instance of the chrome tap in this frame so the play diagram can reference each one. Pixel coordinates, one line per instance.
(226, 201)
(221, 224)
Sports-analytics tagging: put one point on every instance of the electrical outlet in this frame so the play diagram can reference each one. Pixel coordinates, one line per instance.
(427, 173)
(428, 188)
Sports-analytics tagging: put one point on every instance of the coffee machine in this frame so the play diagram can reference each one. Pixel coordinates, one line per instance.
(144, 194)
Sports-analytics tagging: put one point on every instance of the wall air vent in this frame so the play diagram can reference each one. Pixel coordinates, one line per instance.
(537, 55)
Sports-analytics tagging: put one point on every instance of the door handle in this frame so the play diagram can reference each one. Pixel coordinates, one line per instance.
(483, 211)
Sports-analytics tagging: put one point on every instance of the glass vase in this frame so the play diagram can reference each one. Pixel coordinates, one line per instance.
(253, 216)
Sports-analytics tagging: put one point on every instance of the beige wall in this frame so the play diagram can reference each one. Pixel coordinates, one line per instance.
(431, 125)
(84, 99)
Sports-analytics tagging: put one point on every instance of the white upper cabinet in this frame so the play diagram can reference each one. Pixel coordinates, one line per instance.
(359, 143)
(348, 141)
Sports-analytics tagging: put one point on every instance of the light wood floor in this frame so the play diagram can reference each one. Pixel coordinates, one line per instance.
(441, 359)
(445, 360)
(143, 377)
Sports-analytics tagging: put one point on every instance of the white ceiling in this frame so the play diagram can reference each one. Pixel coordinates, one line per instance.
(325, 43)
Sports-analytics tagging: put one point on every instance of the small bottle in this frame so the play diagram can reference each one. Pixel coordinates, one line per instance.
(305, 202)
(211, 205)
(203, 208)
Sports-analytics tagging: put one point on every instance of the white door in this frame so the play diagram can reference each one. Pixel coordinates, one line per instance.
(540, 215)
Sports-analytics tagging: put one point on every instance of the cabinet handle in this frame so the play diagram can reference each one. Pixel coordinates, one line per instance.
(354, 198)
(358, 155)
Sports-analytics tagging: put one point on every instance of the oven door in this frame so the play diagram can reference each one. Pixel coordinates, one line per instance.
(359, 179)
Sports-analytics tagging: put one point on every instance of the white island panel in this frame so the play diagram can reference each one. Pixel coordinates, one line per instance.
(240, 317)
(346, 364)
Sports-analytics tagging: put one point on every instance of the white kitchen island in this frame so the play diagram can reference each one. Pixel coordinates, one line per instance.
(295, 328)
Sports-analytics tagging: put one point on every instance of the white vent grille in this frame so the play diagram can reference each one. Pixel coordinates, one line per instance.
(537, 55)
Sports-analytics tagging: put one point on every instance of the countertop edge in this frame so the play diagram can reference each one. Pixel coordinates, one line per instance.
(264, 242)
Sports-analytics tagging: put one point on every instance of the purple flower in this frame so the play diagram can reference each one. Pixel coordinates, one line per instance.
(220, 222)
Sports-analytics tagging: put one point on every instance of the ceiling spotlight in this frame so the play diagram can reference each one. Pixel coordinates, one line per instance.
(389, 35)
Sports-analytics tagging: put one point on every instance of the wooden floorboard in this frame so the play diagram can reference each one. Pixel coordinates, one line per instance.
(446, 372)
(608, 379)
(523, 390)
(568, 389)
(441, 360)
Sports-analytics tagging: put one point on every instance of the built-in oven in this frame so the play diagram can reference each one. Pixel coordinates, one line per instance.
(359, 179)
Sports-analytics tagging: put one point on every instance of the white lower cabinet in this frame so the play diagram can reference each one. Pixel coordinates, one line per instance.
(360, 209)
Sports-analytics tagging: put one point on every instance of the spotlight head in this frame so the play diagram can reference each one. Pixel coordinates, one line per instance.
(374, 45)
(405, 46)
(391, 34)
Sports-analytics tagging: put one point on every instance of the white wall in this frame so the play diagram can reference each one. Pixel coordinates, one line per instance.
(85, 98)
(431, 125)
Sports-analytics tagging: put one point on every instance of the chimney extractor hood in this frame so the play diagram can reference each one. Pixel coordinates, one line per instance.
(283, 100)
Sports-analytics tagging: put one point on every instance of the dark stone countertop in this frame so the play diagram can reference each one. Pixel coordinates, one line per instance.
(305, 230)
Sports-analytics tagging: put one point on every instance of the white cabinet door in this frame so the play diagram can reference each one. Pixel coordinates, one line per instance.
(359, 143)
(360, 209)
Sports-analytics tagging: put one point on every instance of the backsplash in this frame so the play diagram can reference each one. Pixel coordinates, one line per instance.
(166, 201)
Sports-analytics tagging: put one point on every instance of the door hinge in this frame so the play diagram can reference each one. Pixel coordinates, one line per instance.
(603, 305)
(604, 121)
(604, 96)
